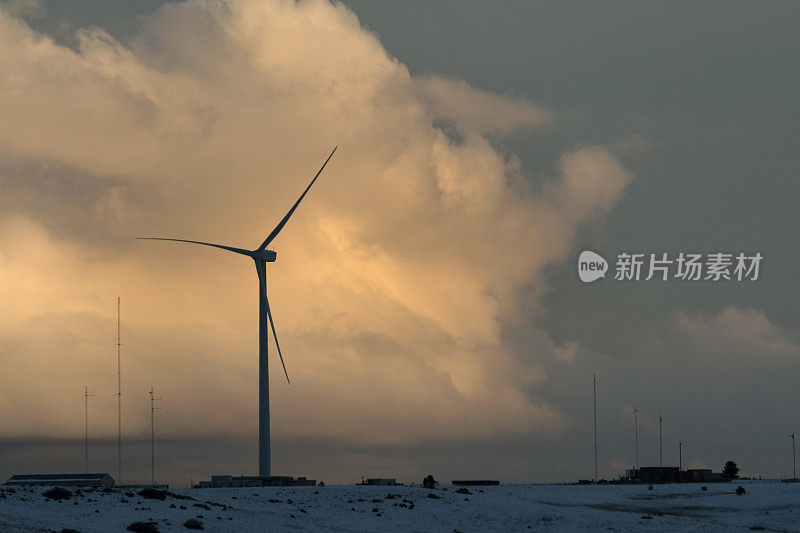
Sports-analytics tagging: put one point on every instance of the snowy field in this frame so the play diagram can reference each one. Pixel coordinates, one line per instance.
(771, 506)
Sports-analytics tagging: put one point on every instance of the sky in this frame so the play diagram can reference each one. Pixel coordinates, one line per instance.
(426, 292)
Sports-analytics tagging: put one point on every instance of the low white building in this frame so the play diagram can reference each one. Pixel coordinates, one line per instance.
(63, 480)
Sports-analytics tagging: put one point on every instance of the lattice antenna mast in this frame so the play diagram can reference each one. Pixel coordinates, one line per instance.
(153, 408)
(86, 396)
(660, 455)
(636, 433)
(119, 401)
(594, 390)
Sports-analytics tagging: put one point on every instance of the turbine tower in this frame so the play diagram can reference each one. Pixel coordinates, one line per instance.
(261, 256)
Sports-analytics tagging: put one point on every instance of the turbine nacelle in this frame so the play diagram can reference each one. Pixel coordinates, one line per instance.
(267, 256)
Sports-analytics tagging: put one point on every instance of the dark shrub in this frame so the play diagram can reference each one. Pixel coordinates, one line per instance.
(193, 524)
(429, 482)
(57, 493)
(740, 490)
(143, 527)
(463, 490)
(731, 471)
(153, 494)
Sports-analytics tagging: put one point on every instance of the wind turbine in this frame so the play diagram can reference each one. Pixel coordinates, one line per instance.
(261, 256)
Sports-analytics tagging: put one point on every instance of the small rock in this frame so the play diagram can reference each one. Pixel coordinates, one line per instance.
(193, 524)
(57, 494)
(153, 494)
(143, 527)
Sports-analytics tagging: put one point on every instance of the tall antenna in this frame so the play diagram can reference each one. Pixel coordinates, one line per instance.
(660, 455)
(794, 458)
(119, 402)
(594, 389)
(636, 433)
(152, 437)
(86, 426)
(680, 456)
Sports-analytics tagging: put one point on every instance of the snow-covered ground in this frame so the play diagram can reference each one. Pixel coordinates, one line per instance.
(773, 506)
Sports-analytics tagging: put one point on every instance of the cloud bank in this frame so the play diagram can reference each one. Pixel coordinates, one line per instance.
(395, 278)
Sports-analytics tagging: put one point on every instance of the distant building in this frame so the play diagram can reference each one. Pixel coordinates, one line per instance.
(475, 482)
(701, 475)
(63, 480)
(673, 474)
(389, 481)
(658, 474)
(255, 481)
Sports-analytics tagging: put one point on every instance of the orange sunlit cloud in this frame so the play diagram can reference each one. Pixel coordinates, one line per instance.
(394, 278)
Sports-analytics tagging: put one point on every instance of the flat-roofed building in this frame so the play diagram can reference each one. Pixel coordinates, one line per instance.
(255, 481)
(658, 474)
(388, 481)
(63, 480)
